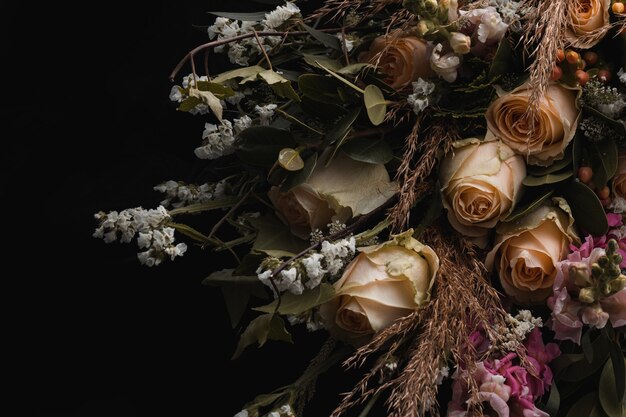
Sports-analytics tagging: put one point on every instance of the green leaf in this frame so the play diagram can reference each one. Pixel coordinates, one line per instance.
(603, 160)
(249, 264)
(585, 406)
(326, 39)
(586, 345)
(340, 128)
(369, 150)
(375, 104)
(586, 208)
(556, 166)
(226, 277)
(189, 103)
(619, 370)
(532, 181)
(246, 17)
(260, 330)
(554, 400)
(618, 125)
(274, 238)
(527, 208)
(210, 100)
(297, 304)
(581, 369)
(247, 73)
(319, 88)
(218, 89)
(299, 177)
(318, 61)
(353, 68)
(279, 84)
(610, 399)
(260, 145)
(290, 159)
(502, 60)
(327, 112)
(342, 79)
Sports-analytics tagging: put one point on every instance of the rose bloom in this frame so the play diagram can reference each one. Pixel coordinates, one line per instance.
(589, 24)
(553, 129)
(382, 284)
(527, 251)
(402, 59)
(344, 189)
(481, 182)
(619, 180)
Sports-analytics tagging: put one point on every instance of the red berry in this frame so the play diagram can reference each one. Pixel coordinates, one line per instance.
(557, 73)
(604, 76)
(585, 174)
(582, 77)
(590, 57)
(572, 57)
(604, 193)
(560, 55)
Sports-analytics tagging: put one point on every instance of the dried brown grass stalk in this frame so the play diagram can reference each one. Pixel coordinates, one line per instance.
(337, 9)
(463, 301)
(544, 34)
(418, 162)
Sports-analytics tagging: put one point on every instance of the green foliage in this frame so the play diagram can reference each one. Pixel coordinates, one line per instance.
(298, 304)
(375, 104)
(370, 150)
(586, 208)
(274, 238)
(260, 330)
(261, 145)
(301, 176)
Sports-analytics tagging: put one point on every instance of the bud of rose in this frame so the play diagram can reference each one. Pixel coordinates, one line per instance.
(382, 284)
(587, 295)
(460, 43)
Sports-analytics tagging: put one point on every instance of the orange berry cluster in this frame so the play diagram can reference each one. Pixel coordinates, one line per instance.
(585, 175)
(618, 7)
(576, 67)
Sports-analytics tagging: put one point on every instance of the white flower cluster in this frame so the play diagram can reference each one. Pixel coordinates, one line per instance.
(311, 319)
(618, 205)
(419, 99)
(490, 27)
(607, 100)
(150, 228)
(220, 140)
(283, 411)
(444, 65)
(444, 372)
(266, 113)
(179, 194)
(518, 328)
(509, 10)
(311, 270)
(240, 52)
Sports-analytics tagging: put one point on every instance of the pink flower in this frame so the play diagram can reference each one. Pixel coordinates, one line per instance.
(617, 231)
(539, 355)
(615, 306)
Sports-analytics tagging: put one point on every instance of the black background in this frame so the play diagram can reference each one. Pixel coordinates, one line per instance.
(91, 128)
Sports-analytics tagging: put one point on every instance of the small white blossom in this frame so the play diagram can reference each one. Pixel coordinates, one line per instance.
(314, 270)
(242, 413)
(443, 373)
(175, 94)
(217, 27)
(265, 113)
(419, 99)
(345, 39)
(242, 124)
(280, 15)
(335, 253)
(518, 327)
(618, 205)
(444, 65)
(217, 141)
(622, 76)
(179, 194)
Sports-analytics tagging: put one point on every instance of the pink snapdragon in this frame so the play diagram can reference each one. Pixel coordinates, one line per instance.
(617, 231)
(506, 387)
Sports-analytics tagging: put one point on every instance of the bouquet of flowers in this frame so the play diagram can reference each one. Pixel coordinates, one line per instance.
(438, 184)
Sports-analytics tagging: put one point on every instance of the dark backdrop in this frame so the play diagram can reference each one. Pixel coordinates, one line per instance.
(91, 128)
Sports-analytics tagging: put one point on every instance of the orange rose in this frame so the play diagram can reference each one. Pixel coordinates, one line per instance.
(527, 251)
(589, 24)
(402, 59)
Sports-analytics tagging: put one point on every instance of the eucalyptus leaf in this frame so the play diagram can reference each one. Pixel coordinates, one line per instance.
(318, 61)
(502, 60)
(319, 88)
(585, 406)
(586, 208)
(587, 347)
(210, 100)
(375, 104)
(327, 112)
(603, 160)
(260, 330)
(554, 400)
(523, 210)
(582, 369)
(274, 238)
(556, 166)
(260, 145)
(532, 181)
(369, 150)
(340, 128)
(246, 17)
(189, 103)
(219, 90)
(299, 177)
(611, 400)
(226, 277)
(619, 369)
(290, 159)
(298, 304)
(247, 73)
(353, 68)
(327, 40)
(249, 264)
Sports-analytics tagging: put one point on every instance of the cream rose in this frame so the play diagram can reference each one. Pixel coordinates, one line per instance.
(382, 284)
(619, 180)
(590, 22)
(527, 251)
(481, 182)
(402, 59)
(553, 129)
(344, 189)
